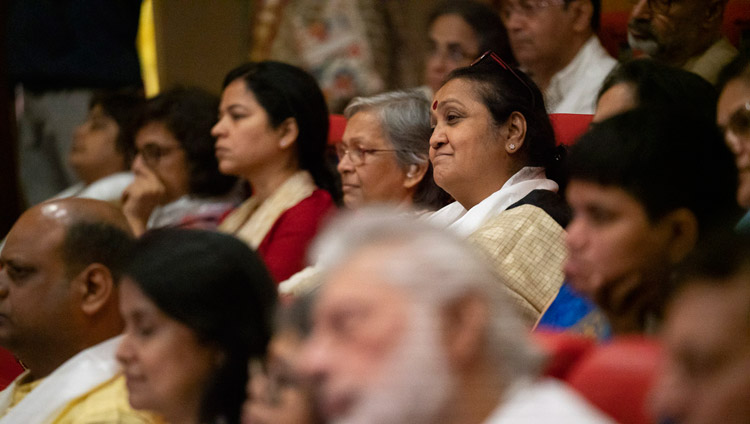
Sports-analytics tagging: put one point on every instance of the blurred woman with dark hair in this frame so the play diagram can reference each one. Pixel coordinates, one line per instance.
(273, 132)
(458, 32)
(177, 179)
(190, 332)
(103, 146)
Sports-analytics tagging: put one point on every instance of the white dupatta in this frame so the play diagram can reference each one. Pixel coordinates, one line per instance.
(74, 378)
(464, 222)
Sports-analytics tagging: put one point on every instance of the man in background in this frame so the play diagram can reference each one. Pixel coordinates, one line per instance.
(554, 41)
(684, 34)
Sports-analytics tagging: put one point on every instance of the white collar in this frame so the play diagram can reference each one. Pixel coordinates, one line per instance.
(464, 222)
(74, 378)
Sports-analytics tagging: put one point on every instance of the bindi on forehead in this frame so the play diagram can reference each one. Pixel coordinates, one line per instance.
(434, 105)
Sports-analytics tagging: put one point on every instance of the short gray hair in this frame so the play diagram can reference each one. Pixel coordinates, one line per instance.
(436, 267)
(404, 117)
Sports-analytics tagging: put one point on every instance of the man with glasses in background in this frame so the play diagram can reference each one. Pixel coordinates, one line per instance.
(682, 33)
(733, 117)
(554, 41)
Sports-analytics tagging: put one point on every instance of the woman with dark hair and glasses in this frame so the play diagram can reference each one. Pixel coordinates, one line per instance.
(458, 32)
(192, 322)
(492, 149)
(273, 132)
(177, 179)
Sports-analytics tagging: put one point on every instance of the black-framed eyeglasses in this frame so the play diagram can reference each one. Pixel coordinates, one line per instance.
(737, 132)
(357, 154)
(659, 6)
(497, 59)
(526, 8)
(152, 153)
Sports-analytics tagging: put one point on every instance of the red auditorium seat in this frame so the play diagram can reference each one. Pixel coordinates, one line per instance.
(563, 350)
(337, 124)
(9, 368)
(617, 378)
(737, 21)
(568, 126)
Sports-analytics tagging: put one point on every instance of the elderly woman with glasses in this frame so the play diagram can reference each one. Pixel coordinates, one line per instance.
(492, 149)
(177, 179)
(383, 155)
(383, 159)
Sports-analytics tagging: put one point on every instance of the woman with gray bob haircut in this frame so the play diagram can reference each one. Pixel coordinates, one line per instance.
(396, 124)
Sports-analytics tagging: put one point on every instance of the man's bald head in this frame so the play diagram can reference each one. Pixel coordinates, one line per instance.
(89, 230)
(58, 270)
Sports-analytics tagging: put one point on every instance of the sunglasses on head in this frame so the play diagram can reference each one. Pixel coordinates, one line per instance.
(490, 55)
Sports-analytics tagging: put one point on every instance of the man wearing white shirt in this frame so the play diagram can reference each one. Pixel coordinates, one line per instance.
(684, 34)
(59, 314)
(554, 41)
(411, 326)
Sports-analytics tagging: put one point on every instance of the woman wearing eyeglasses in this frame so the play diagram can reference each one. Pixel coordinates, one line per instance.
(383, 159)
(492, 148)
(273, 132)
(458, 31)
(177, 179)
(383, 155)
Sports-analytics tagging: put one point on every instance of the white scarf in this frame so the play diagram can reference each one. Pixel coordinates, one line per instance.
(464, 222)
(76, 377)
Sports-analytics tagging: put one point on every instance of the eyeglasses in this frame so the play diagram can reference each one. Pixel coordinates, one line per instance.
(526, 8)
(737, 133)
(452, 53)
(152, 153)
(497, 59)
(357, 154)
(658, 6)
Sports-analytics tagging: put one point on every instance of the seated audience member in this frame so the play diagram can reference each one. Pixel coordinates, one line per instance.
(58, 296)
(733, 116)
(685, 33)
(555, 42)
(411, 326)
(645, 82)
(384, 154)
(273, 131)
(638, 83)
(383, 159)
(491, 148)
(706, 372)
(458, 32)
(283, 396)
(632, 220)
(177, 178)
(190, 332)
(102, 147)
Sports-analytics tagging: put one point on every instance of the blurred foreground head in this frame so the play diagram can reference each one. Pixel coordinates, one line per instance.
(410, 326)
(706, 377)
(644, 187)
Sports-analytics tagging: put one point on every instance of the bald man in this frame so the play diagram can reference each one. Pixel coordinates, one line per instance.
(59, 314)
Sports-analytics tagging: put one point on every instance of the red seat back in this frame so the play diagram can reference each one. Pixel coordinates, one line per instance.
(569, 126)
(337, 125)
(618, 377)
(10, 368)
